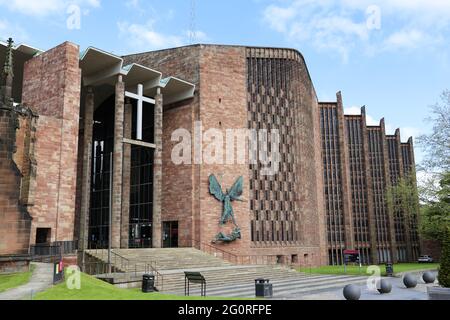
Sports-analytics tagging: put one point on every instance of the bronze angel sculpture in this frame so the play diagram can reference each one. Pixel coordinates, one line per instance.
(234, 194)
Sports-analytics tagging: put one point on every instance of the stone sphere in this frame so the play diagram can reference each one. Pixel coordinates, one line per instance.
(352, 292)
(429, 277)
(384, 286)
(410, 281)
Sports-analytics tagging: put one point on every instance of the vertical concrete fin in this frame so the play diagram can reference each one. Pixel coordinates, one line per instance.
(345, 169)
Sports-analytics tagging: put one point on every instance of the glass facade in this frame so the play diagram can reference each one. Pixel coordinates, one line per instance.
(141, 179)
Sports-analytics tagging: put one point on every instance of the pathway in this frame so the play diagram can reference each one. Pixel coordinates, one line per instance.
(41, 279)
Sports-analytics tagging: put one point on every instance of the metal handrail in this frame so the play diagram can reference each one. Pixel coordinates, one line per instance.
(233, 258)
(159, 277)
(123, 267)
(224, 253)
(126, 266)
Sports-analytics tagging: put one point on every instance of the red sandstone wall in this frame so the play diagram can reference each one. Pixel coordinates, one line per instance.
(221, 78)
(177, 180)
(15, 221)
(52, 83)
(186, 188)
(300, 135)
(322, 251)
(223, 105)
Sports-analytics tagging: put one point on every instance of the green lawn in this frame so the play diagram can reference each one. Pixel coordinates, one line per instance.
(355, 270)
(94, 289)
(10, 281)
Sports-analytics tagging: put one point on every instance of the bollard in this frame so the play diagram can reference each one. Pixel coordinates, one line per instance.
(429, 277)
(384, 286)
(410, 281)
(352, 292)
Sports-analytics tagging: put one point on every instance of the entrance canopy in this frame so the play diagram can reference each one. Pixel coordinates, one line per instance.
(101, 68)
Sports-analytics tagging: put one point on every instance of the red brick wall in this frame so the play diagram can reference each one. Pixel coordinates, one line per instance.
(52, 83)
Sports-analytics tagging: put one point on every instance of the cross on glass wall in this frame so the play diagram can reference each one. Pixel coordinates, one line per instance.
(140, 98)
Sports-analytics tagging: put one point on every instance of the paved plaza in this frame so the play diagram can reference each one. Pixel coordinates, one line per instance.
(399, 292)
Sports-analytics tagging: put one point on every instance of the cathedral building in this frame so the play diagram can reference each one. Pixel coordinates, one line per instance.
(87, 158)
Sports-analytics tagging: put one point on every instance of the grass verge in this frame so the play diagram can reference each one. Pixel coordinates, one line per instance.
(355, 270)
(14, 280)
(94, 289)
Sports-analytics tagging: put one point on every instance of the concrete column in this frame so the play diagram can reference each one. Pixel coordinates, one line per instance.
(345, 165)
(157, 175)
(387, 178)
(87, 168)
(117, 184)
(128, 118)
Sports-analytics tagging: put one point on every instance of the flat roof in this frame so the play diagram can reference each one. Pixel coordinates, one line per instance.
(100, 67)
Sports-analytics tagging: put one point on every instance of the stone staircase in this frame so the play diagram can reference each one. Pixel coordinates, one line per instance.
(286, 284)
(223, 279)
(219, 276)
(161, 259)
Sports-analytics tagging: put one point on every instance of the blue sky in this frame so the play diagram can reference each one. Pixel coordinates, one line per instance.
(392, 56)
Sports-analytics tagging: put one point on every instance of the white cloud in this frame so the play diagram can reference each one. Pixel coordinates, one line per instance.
(278, 18)
(198, 36)
(7, 29)
(136, 7)
(423, 7)
(144, 36)
(135, 4)
(341, 26)
(316, 23)
(410, 39)
(3, 25)
(43, 8)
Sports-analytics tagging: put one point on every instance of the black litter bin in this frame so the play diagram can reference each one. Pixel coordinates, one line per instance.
(390, 269)
(264, 289)
(148, 283)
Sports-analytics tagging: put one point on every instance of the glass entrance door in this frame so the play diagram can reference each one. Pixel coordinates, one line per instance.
(170, 234)
(141, 197)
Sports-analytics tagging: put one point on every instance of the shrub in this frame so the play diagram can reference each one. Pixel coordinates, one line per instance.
(444, 270)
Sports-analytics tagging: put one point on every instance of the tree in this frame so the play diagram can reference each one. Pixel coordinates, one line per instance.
(437, 144)
(435, 187)
(444, 270)
(435, 219)
(403, 197)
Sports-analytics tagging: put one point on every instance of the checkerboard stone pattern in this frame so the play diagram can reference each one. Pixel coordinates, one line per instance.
(280, 97)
